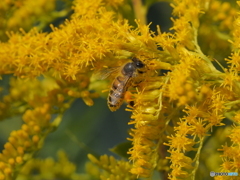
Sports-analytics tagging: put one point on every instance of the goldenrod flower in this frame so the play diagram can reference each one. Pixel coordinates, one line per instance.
(111, 168)
(49, 169)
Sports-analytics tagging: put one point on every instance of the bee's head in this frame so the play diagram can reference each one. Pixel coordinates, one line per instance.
(137, 62)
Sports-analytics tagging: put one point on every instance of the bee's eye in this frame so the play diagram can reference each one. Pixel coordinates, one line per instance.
(139, 64)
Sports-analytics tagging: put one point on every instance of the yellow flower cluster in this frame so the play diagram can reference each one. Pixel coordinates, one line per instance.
(109, 168)
(191, 133)
(23, 143)
(49, 169)
(38, 100)
(146, 137)
(26, 14)
(216, 28)
(231, 153)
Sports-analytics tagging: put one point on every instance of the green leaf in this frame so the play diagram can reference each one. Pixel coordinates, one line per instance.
(122, 149)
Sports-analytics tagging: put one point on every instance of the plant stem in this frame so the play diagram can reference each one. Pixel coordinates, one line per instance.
(139, 11)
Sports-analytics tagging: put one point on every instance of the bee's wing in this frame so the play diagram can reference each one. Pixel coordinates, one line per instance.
(104, 73)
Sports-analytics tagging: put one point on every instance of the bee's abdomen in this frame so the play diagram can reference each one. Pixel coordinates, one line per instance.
(116, 93)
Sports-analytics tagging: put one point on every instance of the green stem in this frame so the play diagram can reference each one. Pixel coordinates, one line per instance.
(196, 159)
(139, 11)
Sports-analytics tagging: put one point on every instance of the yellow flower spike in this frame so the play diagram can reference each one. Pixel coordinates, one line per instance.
(60, 98)
(36, 129)
(182, 128)
(180, 90)
(215, 5)
(86, 98)
(111, 168)
(192, 112)
(49, 163)
(234, 135)
(234, 60)
(181, 143)
(27, 116)
(12, 140)
(45, 109)
(2, 165)
(182, 100)
(47, 118)
(48, 168)
(113, 161)
(230, 162)
(73, 93)
(218, 103)
(179, 173)
(9, 147)
(142, 117)
(7, 171)
(153, 65)
(35, 139)
(191, 95)
(67, 35)
(236, 118)
(231, 153)
(31, 123)
(180, 161)
(84, 83)
(19, 160)
(229, 80)
(92, 158)
(27, 144)
(148, 110)
(226, 165)
(92, 169)
(22, 134)
(5, 155)
(104, 160)
(199, 129)
(222, 16)
(143, 153)
(11, 161)
(25, 127)
(2, 177)
(221, 178)
(138, 170)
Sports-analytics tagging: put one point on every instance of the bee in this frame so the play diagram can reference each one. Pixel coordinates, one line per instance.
(123, 81)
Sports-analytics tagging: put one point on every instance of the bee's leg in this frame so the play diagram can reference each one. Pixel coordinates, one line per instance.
(136, 82)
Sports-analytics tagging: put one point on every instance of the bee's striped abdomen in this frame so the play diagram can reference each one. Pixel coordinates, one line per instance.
(117, 92)
(120, 85)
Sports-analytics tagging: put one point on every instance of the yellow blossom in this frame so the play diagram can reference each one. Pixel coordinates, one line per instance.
(48, 168)
(112, 168)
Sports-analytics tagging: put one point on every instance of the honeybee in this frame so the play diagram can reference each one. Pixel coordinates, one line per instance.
(123, 81)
